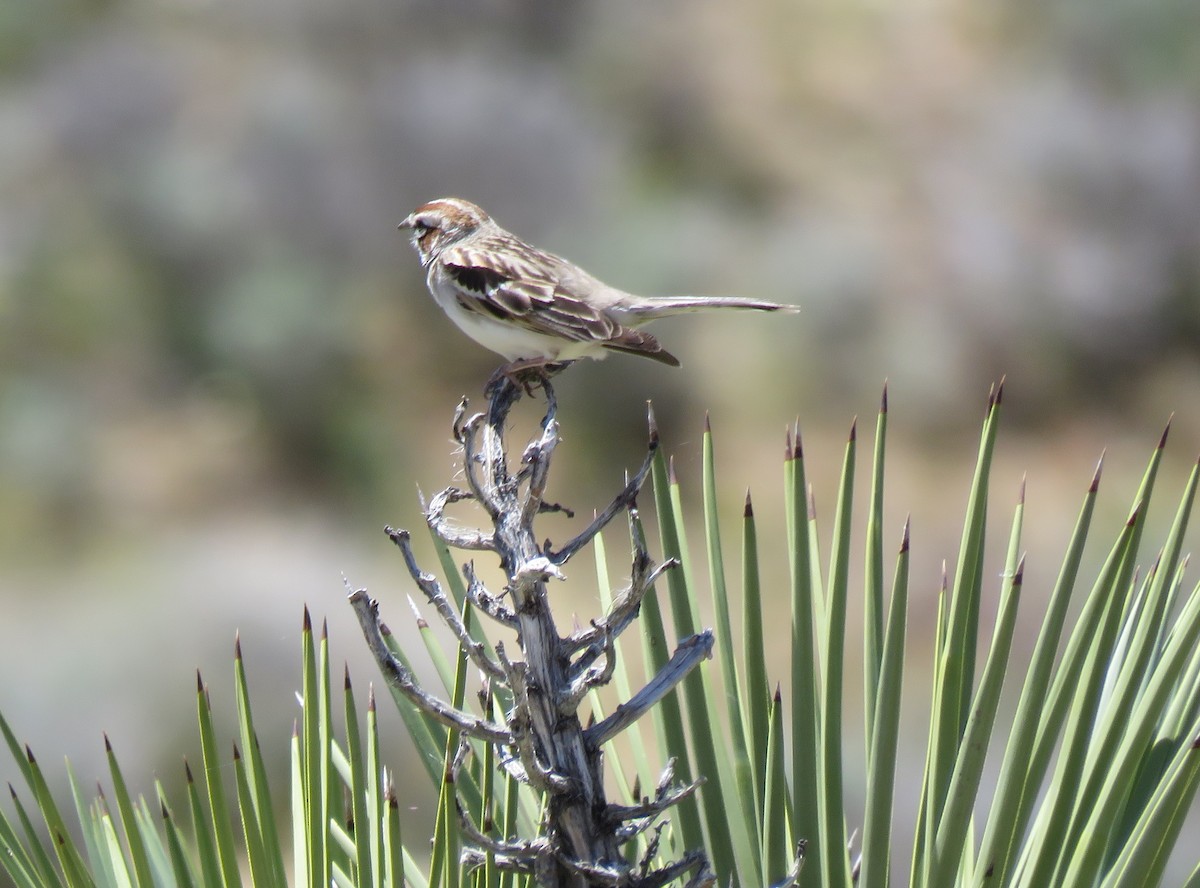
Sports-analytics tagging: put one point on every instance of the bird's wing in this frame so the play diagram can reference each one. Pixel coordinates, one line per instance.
(526, 287)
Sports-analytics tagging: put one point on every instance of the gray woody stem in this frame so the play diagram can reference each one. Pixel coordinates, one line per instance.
(543, 741)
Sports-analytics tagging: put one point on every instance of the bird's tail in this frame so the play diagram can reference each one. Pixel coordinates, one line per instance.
(650, 309)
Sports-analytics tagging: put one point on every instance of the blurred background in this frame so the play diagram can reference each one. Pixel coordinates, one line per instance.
(220, 372)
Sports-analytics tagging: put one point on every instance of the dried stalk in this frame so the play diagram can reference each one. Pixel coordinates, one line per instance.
(543, 741)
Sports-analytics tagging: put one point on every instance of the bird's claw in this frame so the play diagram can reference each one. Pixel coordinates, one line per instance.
(527, 373)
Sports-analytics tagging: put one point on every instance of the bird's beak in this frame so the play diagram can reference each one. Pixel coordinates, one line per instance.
(407, 223)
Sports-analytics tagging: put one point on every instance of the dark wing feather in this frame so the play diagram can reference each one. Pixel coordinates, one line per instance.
(520, 285)
(638, 342)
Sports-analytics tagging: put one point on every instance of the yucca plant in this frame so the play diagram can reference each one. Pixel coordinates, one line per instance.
(1097, 770)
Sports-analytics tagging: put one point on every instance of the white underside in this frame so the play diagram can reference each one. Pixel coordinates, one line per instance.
(510, 340)
(516, 343)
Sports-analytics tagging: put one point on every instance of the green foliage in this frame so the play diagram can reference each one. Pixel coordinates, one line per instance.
(344, 812)
(1096, 774)
(1114, 693)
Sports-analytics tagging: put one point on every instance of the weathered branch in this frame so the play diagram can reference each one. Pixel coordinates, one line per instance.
(665, 796)
(456, 537)
(401, 679)
(548, 508)
(514, 850)
(428, 584)
(542, 742)
(625, 608)
(537, 456)
(465, 433)
(589, 678)
(792, 879)
(692, 860)
(687, 656)
(473, 858)
(517, 851)
(628, 602)
(595, 873)
(520, 721)
(532, 572)
(624, 500)
(484, 600)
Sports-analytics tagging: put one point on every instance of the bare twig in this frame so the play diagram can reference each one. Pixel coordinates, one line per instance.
(473, 858)
(401, 679)
(625, 608)
(519, 850)
(793, 877)
(537, 456)
(627, 603)
(457, 425)
(624, 500)
(592, 677)
(428, 584)
(594, 873)
(547, 508)
(455, 537)
(471, 462)
(484, 600)
(687, 656)
(672, 871)
(704, 877)
(665, 796)
(635, 823)
(629, 600)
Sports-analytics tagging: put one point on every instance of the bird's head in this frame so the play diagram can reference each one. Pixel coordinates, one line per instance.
(442, 223)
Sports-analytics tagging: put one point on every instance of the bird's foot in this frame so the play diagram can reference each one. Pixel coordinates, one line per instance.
(525, 373)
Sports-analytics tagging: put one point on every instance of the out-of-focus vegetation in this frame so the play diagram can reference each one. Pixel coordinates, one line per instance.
(220, 372)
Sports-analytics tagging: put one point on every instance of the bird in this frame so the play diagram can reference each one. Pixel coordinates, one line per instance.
(537, 310)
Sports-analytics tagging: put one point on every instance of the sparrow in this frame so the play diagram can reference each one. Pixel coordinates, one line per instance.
(536, 309)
